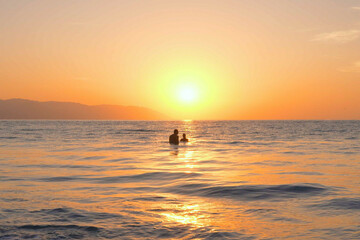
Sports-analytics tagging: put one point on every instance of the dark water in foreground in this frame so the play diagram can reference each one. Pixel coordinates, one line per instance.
(234, 180)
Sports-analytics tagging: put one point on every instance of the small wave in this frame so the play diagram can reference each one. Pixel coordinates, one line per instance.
(6, 179)
(59, 179)
(351, 138)
(260, 211)
(135, 130)
(270, 163)
(286, 219)
(30, 129)
(252, 192)
(119, 160)
(55, 232)
(236, 142)
(94, 158)
(61, 227)
(71, 214)
(350, 232)
(13, 200)
(301, 173)
(8, 137)
(100, 149)
(293, 152)
(223, 235)
(150, 199)
(60, 166)
(151, 176)
(130, 230)
(340, 204)
(350, 153)
(271, 214)
(158, 176)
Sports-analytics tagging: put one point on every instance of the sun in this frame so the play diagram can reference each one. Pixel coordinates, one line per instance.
(187, 93)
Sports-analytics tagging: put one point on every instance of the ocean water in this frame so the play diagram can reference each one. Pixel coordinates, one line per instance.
(233, 180)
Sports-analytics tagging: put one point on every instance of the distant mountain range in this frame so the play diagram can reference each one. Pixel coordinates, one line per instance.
(27, 109)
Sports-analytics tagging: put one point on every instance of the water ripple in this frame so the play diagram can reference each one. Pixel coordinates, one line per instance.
(252, 192)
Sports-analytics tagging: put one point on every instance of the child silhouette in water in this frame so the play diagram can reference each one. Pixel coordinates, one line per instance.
(184, 139)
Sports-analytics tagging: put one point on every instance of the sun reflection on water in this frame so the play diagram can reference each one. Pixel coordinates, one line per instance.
(185, 214)
(187, 161)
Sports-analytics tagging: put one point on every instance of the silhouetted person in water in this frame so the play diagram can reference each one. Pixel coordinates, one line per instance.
(174, 138)
(184, 139)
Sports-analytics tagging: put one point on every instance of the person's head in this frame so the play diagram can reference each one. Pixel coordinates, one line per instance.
(184, 135)
(176, 131)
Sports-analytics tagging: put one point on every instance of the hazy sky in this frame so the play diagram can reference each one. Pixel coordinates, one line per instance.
(241, 59)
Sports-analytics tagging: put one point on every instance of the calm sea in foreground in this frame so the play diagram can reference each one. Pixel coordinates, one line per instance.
(233, 180)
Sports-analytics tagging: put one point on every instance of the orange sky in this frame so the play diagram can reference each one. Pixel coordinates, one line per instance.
(250, 59)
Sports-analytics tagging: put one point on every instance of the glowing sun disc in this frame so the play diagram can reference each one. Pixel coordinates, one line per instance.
(187, 94)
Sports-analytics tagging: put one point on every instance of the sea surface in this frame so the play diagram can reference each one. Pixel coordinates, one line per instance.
(233, 180)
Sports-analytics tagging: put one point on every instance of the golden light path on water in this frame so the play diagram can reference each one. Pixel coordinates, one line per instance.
(232, 180)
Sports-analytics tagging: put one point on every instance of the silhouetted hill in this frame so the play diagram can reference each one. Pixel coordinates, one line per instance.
(27, 109)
